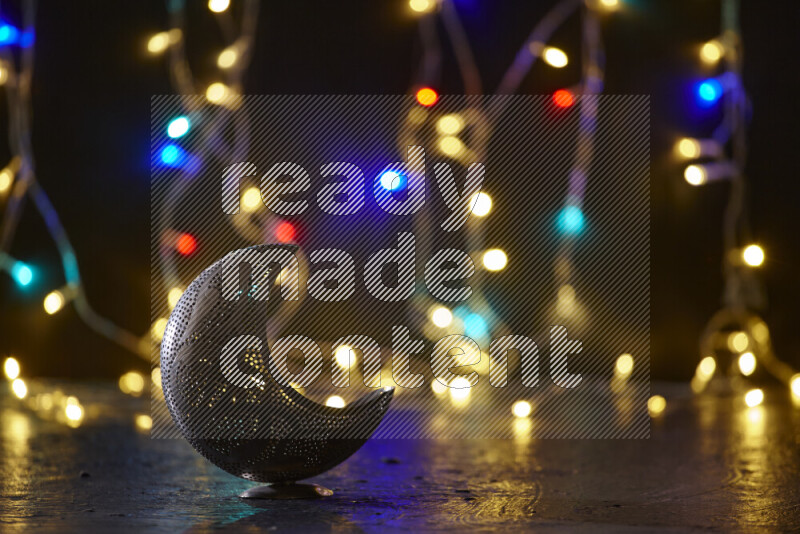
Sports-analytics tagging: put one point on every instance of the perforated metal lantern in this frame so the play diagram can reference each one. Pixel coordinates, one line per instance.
(218, 389)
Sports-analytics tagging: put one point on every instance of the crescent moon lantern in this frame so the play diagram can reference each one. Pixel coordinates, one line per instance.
(222, 397)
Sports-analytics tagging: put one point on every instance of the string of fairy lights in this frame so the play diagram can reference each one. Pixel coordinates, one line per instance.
(716, 158)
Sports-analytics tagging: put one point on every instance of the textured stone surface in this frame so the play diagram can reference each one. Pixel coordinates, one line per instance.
(711, 464)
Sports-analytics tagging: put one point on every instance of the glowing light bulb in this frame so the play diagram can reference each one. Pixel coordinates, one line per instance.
(451, 145)
(227, 58)
(460, 388)
(216, 92)
(695, 175)
(747, 363)
(285, 232)
(570, 220)
(688, 148)
(754, 397)
(795, 385)
(495, 259)
(22, 274)
(218, 6)
(753, 255)
(173, 296)
(738, 341)
(450, 124)
(481, 204)
(624, 366)
(563, 98)
(521, 409)
(421, 6)
(335, 401)
(441, 317)
(344, 356)
(706, 368)
(251, 199)
(19, 388)
(11, 368)
(656, 405)
(555, 57)
(178, 127)
(53, 302)
(427, 96)
(157, 329)
(392, 180)
(709, 91)
(712, 51)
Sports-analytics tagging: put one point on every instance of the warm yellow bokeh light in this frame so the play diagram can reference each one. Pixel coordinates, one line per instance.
(747, 363)
(6, 177)
(566, 294)
(53, 302)
(688, 148)
(218, 6)
(555, 57)
(144, 422)
(421, 6)
(335, 401)
(695, 175)
(624, 365)
(656, 405)
(753, 255)
(3, 75)
(450, 124)
(450, 145)
(74, 412)
(794, 383)
(706, 368)
(173, 296)
(481, 204)
(495, 259)
(11, 368)
(157, 330)
(132, 383)
(438, 388)
(711, 52)
(216, 92)
(521, 409)
(251, 199)
(227, 58)
(19, 388)
(754, 397)
(441, 317)
(155, 376)
(460, 388)
(344, 356)
(158, 43)
(738, 341)
(609, 4)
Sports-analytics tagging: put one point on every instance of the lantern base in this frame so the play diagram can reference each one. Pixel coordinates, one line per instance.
(289, 490)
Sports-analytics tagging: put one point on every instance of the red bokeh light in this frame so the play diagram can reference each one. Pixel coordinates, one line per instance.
(284, 232)
(563, 98)
(186, 244)
(427, 96)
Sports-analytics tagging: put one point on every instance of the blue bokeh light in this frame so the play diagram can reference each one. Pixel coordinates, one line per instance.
(570, 220)
(172, 155)
(392, 180)
(8, 34)
(178, 127)
(475, 326)
(22, 274)
(709, 92)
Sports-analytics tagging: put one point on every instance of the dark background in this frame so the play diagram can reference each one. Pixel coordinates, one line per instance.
(92, 89)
